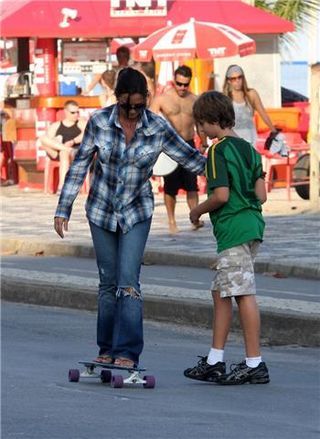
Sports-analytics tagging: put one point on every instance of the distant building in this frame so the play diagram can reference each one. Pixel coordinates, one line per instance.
(297, 59)
(294, 76)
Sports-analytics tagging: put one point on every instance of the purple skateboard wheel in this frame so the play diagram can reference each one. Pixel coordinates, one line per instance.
(106, 376)
(117, 381)
(74, 375)
(150, 382)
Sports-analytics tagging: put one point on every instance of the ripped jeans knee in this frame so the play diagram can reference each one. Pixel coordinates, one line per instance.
(129, 292)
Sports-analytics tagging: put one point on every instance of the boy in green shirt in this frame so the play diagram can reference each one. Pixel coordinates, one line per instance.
(236, 190)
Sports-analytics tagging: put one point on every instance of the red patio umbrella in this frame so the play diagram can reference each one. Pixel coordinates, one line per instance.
(193, 39)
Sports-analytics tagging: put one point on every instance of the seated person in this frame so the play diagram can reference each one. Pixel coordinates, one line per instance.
(63, 138)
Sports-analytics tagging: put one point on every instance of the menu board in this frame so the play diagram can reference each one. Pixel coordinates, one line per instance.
(84, 56)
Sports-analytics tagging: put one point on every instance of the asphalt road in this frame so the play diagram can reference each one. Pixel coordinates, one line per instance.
(185, 278)
(40, 344)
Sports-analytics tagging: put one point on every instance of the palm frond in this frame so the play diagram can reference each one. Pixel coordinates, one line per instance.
(303, 13)
(300, 12)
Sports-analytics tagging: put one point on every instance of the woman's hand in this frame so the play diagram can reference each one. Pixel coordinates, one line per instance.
(60, 225)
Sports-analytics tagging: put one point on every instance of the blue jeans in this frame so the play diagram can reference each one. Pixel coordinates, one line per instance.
(120, 306)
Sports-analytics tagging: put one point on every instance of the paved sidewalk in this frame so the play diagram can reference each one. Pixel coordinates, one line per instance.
(291, 246)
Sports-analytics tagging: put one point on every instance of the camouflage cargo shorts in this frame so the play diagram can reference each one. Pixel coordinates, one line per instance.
(234, 268)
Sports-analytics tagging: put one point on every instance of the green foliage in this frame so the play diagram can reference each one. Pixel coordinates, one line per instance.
(300, 12)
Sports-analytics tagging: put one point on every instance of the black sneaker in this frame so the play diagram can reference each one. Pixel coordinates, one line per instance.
(241, 374)
(205, 372)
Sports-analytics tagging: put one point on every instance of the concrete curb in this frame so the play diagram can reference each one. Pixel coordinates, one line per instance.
(277, 328)
(32, 247)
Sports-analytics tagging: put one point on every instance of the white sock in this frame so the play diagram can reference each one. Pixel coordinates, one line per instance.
(214, 356)
(253, 361)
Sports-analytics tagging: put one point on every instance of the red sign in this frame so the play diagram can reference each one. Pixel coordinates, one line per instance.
(44, 67)
(178, 37)
(138, 8)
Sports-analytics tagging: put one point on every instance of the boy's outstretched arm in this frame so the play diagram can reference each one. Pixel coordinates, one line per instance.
(218, 198)
(260, 190)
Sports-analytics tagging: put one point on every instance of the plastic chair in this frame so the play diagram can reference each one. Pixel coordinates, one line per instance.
(279, 169)
(51, 177)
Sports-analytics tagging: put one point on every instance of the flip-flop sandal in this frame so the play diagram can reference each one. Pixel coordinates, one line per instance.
(124, 362)
(104, 359)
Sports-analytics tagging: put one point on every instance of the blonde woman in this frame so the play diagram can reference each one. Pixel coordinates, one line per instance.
(245, 102)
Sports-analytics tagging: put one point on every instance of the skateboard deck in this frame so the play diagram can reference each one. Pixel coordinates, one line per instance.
(106, 376)
(111, 366)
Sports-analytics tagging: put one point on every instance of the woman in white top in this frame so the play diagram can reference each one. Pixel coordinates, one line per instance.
(245, 101)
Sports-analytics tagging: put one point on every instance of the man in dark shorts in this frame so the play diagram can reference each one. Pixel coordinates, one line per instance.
(180, 178)
(176, 106)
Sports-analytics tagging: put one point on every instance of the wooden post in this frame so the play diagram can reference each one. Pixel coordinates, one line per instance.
(314, 137)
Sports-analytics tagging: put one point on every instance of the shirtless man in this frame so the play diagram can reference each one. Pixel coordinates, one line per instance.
(63, 138)
(176, 106)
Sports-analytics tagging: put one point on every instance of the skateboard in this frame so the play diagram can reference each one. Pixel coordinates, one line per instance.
(106, 376)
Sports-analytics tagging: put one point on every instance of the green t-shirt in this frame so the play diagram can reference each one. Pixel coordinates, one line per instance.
(234, 163)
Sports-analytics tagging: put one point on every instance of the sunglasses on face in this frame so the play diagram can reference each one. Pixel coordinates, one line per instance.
(235, 78)
(129, 107)
(182, 84)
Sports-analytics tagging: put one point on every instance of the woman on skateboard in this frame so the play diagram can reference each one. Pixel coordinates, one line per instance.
(126, 140)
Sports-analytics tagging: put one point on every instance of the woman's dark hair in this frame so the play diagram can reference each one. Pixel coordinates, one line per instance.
(214, 107)
(131, 81)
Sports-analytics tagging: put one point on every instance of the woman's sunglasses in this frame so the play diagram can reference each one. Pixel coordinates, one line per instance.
(235, 78)
(126, 106)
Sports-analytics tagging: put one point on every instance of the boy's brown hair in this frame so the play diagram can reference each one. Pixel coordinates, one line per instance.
(214, 107)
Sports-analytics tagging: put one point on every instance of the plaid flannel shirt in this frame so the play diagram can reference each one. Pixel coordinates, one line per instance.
(120, 191)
